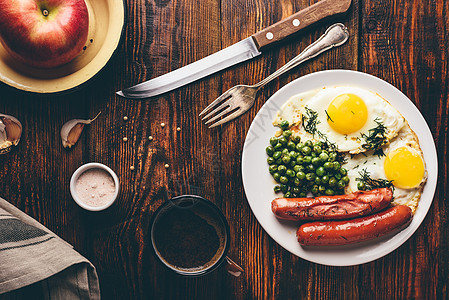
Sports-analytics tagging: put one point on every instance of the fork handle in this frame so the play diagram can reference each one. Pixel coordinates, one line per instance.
(334, 36)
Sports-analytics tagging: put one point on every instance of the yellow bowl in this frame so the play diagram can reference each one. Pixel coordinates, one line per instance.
(106, 22)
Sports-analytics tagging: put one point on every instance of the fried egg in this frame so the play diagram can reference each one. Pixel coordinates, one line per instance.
(344, 115)
(403, 164)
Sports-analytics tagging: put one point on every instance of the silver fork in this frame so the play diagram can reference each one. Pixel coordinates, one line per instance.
(240, 98)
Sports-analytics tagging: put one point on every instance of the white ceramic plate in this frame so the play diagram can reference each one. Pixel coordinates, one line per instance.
(258, 182)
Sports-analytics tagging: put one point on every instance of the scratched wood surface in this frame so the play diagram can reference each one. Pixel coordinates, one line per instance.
(403, 42)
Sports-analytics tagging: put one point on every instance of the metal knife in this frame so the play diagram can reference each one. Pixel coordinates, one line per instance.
(238, 52)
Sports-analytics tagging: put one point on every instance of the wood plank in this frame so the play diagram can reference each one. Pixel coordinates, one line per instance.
(405, 44)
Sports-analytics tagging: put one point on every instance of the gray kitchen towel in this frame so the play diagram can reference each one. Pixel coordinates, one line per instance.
(31, 253)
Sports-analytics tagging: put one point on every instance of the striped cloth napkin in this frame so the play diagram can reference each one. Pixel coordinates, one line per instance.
(30, 253)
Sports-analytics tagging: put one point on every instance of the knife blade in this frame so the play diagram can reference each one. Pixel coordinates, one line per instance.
(239, 52)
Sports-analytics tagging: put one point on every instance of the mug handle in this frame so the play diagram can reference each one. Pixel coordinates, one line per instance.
(233, 268)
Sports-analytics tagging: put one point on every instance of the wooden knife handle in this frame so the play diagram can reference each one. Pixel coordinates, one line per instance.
(300, 20)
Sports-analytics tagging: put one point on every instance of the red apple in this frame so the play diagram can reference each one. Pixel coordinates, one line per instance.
(44, 33)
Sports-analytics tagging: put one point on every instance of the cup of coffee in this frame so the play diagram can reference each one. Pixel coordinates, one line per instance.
(190, 236)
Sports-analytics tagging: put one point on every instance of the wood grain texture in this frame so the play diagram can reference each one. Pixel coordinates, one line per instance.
(402, 42)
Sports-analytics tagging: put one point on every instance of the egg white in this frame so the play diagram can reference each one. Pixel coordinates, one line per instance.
(318, 100)
(374, 165)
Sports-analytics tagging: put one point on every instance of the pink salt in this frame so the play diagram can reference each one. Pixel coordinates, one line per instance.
(95, 187)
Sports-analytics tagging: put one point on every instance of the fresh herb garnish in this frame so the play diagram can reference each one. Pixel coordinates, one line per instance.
(309, 123)
(328, 117)
(369, 183)
(376, 138)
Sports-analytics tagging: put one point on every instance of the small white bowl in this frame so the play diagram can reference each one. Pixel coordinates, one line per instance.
(83, 169)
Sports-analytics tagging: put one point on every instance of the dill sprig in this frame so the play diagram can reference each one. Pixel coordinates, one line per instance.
(310, 122)
(376, 138)
(371, 184)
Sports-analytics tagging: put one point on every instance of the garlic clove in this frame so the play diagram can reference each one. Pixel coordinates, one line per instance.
(10, 132)
(71, 130)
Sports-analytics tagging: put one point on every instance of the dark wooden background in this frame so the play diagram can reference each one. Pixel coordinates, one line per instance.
(403, 42)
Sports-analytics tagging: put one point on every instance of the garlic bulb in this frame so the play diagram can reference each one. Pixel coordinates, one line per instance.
(10, 132)
(71, 131)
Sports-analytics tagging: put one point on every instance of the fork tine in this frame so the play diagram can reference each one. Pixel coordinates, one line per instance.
(230, 117)
(217, 110)
(227, 110)
(217, 101)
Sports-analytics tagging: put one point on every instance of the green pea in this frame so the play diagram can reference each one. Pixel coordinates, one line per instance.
(284, 188)
(286, 158)
(313, 154)
(290, 173)
(282, 169)
(343, 172)
(278, 147)
(287, 133)
(310, 168)
(306, 150)
(319, 144)
(279, 161)
(300, 175)
(293, 154)
(308, 144)
(337, 176)
(288, 195)
(332, 156)
(321, 188)
(283, 140)
(291, 146)
(336, 165)
(310, 176)
(302, 195)
(300, 160)
(297, 182)
(299, 147)
(317, 180)
(276, 176)
(277, 188)
(323, 157)
(297, 168)
(316, 161)
(325, 179)
(328, 165)
(317, 149)
(361, 186)
(284, 125)
(271, 160)
(273, 141)
(269, 150)
(307, 160)
(273, 169)
(341, 184)
(285, 151)
(277, 154)
(314, 189)
(296, 139)
(329, 192)
(283, 179)
(345, 179)
(320, 172)
(292, 163)
(332, 182)
(296, 190)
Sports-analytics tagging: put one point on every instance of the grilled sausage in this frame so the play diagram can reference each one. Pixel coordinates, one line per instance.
(339, 207)
(329, 233)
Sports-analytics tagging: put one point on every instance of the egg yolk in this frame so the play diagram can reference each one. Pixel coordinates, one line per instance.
(347, 113)
(404, 167)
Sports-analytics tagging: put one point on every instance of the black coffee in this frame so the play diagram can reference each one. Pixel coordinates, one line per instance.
(189, 238)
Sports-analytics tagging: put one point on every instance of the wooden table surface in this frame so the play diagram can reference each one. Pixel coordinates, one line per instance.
(403, 42)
